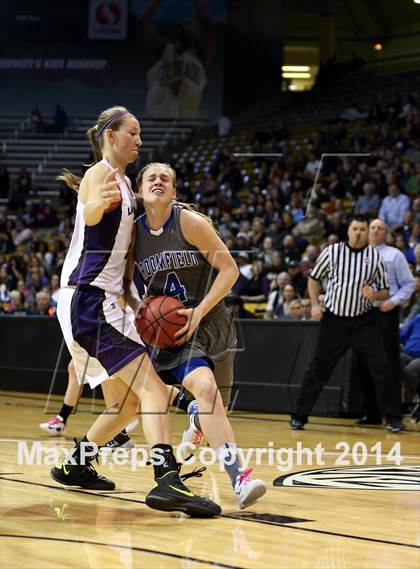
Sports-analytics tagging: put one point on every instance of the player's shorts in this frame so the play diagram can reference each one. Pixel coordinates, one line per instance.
(100, 336)
(214, 344)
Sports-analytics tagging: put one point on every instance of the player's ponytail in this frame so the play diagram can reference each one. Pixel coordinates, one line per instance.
(194, 209)
(70, 179)
(94, 143)
(111, 118)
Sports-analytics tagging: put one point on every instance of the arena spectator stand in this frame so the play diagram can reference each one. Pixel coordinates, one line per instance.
(275, 213)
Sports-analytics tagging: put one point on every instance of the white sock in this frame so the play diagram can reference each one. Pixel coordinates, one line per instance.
(227, 453)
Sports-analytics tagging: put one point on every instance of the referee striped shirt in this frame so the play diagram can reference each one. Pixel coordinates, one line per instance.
(347, 270)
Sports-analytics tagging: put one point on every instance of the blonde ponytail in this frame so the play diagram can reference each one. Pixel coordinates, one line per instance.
(70, 179)
(194, 209)
(94, 143)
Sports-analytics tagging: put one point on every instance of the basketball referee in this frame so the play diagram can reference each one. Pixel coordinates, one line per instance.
(355, 276)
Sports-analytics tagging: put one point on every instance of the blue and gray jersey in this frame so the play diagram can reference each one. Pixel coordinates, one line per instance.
(169, 265)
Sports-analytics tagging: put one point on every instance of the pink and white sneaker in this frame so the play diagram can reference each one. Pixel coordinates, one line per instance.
(248, 491)
(192, 435)
(55, 427)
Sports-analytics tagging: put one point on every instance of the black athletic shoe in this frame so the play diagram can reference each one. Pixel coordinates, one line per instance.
(395, 426)
(84, 476)
(297, 424)
(122, 440)
(171, 495)
(368, 420)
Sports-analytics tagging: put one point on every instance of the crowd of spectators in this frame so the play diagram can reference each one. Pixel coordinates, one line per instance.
(275, 215)
(34, 237)
(278, 215)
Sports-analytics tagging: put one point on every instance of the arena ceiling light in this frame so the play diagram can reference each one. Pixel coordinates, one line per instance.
(296, 75)
(295, 67)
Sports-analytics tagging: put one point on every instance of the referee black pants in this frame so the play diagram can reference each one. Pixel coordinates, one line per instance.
(337, 334)
(388, 323)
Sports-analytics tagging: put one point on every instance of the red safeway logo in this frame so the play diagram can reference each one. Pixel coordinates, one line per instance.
(108, 19)
(108, 14)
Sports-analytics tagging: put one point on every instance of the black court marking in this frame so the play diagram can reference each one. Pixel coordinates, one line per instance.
(272, 518)
(323, 532)
(226, 516)
(10, 473)
(73, 490)
(111, 493)
(128, 547)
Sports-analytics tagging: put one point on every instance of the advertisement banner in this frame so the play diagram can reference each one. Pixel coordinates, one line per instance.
(170, 64)
(108, 19)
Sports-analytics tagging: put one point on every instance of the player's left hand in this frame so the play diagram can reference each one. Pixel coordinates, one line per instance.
(193, 320)
(386, 306)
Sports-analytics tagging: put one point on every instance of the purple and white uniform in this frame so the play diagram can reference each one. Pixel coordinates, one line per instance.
(100, 337)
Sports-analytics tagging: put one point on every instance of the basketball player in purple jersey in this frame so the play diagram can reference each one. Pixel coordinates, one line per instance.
(102, 341)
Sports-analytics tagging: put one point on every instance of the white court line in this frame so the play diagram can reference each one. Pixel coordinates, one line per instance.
(236, 154)
(326, 154)
(51, 440)
(46, 441)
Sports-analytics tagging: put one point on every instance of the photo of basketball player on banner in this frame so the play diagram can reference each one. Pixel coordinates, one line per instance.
(177, 79)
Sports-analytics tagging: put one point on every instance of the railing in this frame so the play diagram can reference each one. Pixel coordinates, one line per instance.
(44, 154)
(397, 64)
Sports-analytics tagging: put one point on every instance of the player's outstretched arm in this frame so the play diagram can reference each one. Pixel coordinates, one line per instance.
(98, 191)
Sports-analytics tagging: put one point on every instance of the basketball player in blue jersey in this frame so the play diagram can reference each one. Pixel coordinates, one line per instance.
(178, 253)
(103, 342)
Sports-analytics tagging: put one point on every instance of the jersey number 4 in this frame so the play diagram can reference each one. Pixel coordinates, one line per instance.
(173, 287)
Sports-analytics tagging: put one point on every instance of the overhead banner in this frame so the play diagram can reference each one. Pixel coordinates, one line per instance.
(170, 65)
(182, 46)
(108, 19)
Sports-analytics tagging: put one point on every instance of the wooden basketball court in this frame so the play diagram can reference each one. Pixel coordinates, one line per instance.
(342, 516)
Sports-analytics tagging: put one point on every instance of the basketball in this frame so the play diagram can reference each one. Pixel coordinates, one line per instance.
(157, 321)
(112, 207)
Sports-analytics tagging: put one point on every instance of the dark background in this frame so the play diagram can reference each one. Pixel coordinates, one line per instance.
(249, 47)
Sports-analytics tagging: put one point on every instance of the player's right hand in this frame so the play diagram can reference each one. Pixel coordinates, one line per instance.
(110, 195)
(317, 312)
